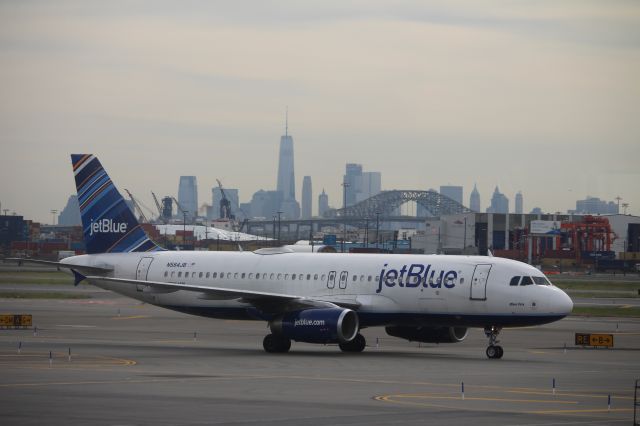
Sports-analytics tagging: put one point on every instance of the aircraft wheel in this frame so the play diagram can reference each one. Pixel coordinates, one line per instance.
(500, 352)
(492, 352)
(276, 344)
(356, 345)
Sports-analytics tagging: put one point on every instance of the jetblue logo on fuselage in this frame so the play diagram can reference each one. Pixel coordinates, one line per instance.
(416, 275)
(107, 226)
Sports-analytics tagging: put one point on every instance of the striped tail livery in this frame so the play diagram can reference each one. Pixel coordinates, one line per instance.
(108, 224)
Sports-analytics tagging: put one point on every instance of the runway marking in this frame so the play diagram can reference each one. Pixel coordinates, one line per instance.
(131, 317)
(36, 360)
(422, 399)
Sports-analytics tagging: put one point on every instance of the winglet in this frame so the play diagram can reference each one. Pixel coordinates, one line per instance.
(77, 277)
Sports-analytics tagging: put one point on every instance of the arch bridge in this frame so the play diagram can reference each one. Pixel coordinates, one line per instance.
(386, 202)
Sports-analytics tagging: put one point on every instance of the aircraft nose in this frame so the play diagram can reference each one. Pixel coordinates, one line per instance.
(565, 304)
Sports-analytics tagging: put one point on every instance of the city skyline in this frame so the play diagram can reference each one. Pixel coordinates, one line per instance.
(540, 97)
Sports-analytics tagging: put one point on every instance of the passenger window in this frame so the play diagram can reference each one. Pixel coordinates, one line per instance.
(322, 277)
(279, 276)
(514, 281)
(271, 277)
(377, 278)
(215, 275)
(180, 274)
(369, 278)
(355, 278)
(172, 273)
(526, 281)
(301, 277)
(293, 277)
(228, 274)
(242, 276)
(200, 275)
(361, 278)
(207, 275)
(315, 277)
(250, 275)
(257, 275)
(166, 273)
(235, 276)
(308, 277)
(461, 280)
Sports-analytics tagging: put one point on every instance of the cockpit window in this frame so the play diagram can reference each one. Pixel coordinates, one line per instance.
(514, 281)
(541, 280)
(526, 281)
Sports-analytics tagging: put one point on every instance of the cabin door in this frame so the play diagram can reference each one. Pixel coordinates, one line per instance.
(479, 282)
(143, 271)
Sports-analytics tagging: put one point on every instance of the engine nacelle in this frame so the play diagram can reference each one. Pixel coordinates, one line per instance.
(330, 325)
(428, 334)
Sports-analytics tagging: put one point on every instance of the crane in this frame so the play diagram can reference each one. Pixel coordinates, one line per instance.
(225, 204)
(159, 207)
(136, 205)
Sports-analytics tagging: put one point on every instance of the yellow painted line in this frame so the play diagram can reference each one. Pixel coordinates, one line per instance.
(594, 410)
(131, 317)
(458, 397)
(575, 395)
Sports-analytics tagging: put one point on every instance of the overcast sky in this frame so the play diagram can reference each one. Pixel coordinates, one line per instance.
(538, 96)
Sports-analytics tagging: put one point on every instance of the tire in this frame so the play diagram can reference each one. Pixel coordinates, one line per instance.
(492, 352)
(356, 345)
(276, 344)
(500, 352)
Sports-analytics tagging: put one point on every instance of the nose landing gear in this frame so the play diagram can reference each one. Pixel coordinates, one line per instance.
(493, 351)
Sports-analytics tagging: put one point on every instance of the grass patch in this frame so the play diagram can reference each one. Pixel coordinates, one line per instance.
(608, 294)
(41, 295)
(14, 277)
(605, 311)
(596, 285)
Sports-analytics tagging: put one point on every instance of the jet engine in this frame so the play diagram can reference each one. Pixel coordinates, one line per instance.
(428, 334)
(323, 325)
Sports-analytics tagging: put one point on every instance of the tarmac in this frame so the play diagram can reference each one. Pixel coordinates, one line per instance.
(115, 361)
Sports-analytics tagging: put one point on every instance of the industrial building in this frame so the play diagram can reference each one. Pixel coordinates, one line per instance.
(564, 240)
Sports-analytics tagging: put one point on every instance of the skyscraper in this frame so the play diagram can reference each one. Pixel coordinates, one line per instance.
(474, 200)
(353, 182)
(188, 196)
(307, 199)
(286, 176)
(70, 215)
(323, 203)
(499, 203)
(453, 192)
(360, 185)
(519, 203)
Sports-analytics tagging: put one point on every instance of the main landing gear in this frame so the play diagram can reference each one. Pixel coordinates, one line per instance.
(493, 351)
(356, 345)
(276, 344)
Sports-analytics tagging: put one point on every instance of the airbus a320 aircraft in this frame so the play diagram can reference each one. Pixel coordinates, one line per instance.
(308, 297)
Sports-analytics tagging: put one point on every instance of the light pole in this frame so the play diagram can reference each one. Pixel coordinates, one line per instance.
(366, 232)
(345, 185)
(273, 228)
(184, 228)
(464, 244)
(279, 228)
(377, 228)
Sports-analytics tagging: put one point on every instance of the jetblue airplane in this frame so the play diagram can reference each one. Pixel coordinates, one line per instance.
(308, 297)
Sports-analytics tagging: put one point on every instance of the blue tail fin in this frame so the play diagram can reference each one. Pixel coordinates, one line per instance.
(108, 224)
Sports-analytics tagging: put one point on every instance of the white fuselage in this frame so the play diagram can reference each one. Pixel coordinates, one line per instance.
(387, 289)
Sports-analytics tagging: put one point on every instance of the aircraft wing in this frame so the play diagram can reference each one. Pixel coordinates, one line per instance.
(265, 301)
(79, 268)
